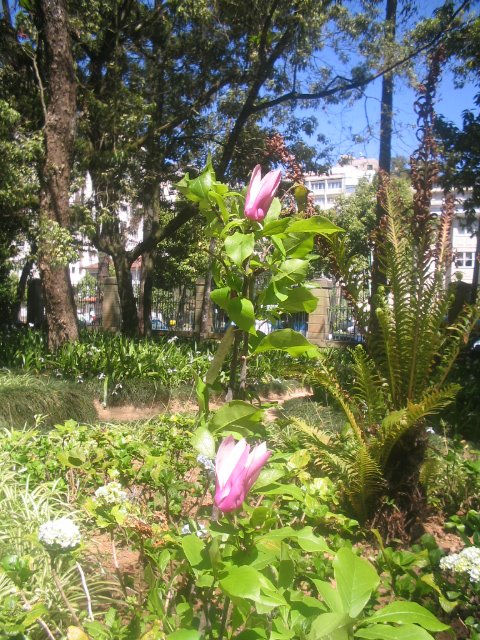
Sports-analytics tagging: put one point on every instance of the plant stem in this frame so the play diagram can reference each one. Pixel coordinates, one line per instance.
(117, 566)
(58, 584)
(223, 622)
(86, 591)
(39, 620)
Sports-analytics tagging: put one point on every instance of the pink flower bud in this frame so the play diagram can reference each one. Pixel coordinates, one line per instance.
(261, 192)
(236, 470)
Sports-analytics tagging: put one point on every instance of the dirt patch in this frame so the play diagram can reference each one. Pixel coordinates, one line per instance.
(447, 541)
(125, 413)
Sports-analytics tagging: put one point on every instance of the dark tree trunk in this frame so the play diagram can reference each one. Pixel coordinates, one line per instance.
(145, 296)
(384, 162)
(21, 287)
(54, 198)
(126, 294)
(146, 281)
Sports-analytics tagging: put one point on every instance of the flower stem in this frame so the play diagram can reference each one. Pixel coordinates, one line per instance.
(58, 584)
(86, 591)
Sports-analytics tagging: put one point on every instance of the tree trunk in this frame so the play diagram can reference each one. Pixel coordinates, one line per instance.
(128, 304)
(21, 287)
(145, 296)
(54, 198)
(384, 162)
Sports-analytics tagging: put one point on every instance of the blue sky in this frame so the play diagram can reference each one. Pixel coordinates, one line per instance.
(342, 123)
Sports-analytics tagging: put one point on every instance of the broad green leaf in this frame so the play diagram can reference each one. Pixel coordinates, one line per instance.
(221, 353)
(291, 271)
(235, 413)
(184, 634)
(300, 299)
(74, 633)
(300, 192)
(204, 442)
(193, 546)
(274, 211)
(247, 582)
(201, 185)
(275, 227)
(386, 632)
(329, 595)
(298, 245)
(284, 490)
(356, 579)
(305, 537)
(239, 247)
(290, 341)
(269, 475)
(330, 626)
(407, 613)
(239, 310)
(201, 391)
(315, 224)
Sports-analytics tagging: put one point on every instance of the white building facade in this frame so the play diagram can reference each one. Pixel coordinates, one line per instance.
(342, 179)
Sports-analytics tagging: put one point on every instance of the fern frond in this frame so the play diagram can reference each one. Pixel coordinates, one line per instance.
(369, 387)
(365, 481)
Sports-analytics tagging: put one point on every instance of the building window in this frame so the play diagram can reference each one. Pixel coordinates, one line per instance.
(72, 269)
(334, 184)
(369, 167)
(317, 186)
(464, 259)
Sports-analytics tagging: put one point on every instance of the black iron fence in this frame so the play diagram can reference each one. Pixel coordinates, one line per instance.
(173, 310)
(341, 321)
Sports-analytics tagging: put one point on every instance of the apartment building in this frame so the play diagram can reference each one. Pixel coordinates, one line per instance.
(342, 179)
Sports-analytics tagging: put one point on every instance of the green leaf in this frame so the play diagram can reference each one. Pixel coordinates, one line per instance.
(386, 632)
(298, 245)
(305, 537)
(274, 211)
(356, 579)
(315, 224)
(290, 341)
(299, 299)
(292, 271)
(204, 442)
(243, 582)
(275, 227)
(193, 546)
(201, 185)
(330, 626)
(236, 413)
(329, 595)
(184, 634)
(407, 613)
(239, 310)
(220, 355)
(239, 247)
(201, 391)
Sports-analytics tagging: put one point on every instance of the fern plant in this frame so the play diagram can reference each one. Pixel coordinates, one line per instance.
(402, 377)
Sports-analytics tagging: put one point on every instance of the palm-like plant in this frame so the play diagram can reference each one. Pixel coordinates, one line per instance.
(401, 379)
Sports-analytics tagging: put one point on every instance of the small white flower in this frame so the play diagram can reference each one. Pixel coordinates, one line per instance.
(110, 494)
(186, 530)
(172, 339)
(59, 535)
(101, 376)
(430, 430)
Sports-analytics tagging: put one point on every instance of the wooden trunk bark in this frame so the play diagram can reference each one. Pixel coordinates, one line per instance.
(126, 294)
(54, 198)
(384, 165)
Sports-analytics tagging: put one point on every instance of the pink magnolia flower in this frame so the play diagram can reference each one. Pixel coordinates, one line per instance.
(261, 192)
(236, 469)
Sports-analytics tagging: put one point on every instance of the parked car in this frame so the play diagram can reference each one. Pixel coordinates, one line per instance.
(158, 325)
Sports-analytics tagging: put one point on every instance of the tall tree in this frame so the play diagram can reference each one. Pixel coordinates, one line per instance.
(60, 113)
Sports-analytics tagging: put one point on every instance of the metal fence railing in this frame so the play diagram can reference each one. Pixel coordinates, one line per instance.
(341, 321)
(173, 310)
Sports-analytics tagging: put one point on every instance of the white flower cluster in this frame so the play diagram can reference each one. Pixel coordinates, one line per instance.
(467, 561)
(110, 494)
(206, 463)
(62, 534)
